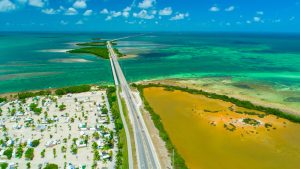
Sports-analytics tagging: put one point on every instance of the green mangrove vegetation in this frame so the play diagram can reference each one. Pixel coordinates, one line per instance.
(252, 113)
(250, 121)
(92, 44)
(60, 91)
(98, 51)
(102, 43)
(230, 127)
(96, 48)
(73, 89)
(26, 95)
(119, 54)
(2, 99)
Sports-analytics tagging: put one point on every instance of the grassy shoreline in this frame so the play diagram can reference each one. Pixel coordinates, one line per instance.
(43, 92)
(12, 95)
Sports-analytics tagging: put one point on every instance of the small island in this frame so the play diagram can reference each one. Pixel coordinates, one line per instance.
(96, 48)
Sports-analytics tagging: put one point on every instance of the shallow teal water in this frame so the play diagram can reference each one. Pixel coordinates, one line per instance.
(28, 61)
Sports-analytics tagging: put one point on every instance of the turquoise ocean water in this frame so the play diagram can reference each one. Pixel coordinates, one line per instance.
(36, 60)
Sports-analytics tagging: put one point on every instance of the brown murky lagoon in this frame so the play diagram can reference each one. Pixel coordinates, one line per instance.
(213, 134)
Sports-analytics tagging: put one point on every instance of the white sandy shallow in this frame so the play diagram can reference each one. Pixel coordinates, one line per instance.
(55, 50)
(70, 60)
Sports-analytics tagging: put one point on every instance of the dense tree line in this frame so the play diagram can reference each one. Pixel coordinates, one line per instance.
(25, 95)
(121, 162)
(73, 89)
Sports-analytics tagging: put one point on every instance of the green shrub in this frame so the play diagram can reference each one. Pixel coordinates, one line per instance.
(43, 153)
(34, 107)
(29, 153)
(8, 153)
(250, 121)
(3, 165)
(51, 166)
(35, 143)
(19, 152)
(62, 107)
(2, 99)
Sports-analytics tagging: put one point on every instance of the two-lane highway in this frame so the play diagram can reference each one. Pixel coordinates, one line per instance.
(146, 154)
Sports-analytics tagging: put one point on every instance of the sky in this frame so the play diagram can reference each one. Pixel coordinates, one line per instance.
(151, 15)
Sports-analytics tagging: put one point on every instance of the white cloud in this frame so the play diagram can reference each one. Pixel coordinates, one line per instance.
(154, 12)
(115, 14)
(7, 5)
(88, 13)
(127, 9)
(22, 1)
(292, 18)
(230, 8)
(256, 19)
(146, 4)
(104, 11)
(214, 9)
(80, 22)
(108, 18)
(259, 12)
(166, 11)
(50, 11)
(80, 4)
(37, 3)
(71, 11)
(125, 14)
(277, 20)
(61, 8)
(179, 16)
(143, 14)
(63, 22)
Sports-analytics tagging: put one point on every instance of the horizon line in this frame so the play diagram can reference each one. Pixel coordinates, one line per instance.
(133, 31)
